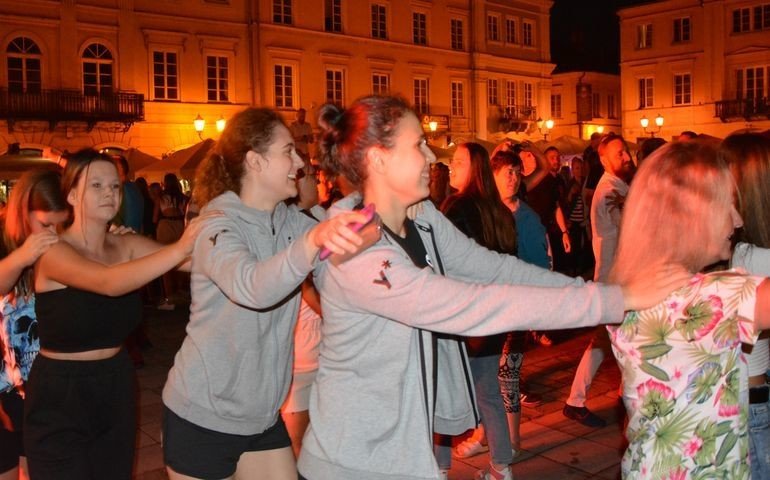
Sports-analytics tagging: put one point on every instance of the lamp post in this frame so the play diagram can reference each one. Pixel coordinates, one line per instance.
(545, 127)
(221, 123)
(199, 123)
(645, 122)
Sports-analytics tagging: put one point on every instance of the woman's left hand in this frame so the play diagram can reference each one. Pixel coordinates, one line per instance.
(566, 242)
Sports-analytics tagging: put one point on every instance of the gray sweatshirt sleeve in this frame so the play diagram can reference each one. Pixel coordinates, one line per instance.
(383, 282)
(464, 258)
(223, 255)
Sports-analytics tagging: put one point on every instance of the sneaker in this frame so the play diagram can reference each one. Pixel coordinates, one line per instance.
(443, 475)
(584, 416)
(490, 473)
(166, 306)
(469, 448)
(529, 399)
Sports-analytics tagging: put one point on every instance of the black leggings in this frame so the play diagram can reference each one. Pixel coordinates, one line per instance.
(80, 419)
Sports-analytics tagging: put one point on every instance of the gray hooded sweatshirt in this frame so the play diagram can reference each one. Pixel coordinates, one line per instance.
(377, 398)
(234, 368)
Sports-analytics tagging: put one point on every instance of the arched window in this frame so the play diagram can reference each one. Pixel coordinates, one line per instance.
(97, 70)
(24, 57)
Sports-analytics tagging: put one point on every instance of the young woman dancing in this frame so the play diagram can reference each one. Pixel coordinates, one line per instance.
(233, 371)
(377, 393)
(79, 418)
(35, 211)
(684, 374)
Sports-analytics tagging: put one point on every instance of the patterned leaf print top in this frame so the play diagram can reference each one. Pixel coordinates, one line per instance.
(685, 380)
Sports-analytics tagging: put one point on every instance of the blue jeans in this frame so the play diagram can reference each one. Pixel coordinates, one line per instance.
(759, 439)
(490, 402)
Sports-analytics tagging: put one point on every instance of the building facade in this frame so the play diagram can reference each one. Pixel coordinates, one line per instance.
(701, 65)
(585, 102)
(135, 73)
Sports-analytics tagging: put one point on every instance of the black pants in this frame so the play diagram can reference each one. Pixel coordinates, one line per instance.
(80, 419)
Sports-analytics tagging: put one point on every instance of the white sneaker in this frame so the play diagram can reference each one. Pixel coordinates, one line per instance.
(490, 473)
(443, 475)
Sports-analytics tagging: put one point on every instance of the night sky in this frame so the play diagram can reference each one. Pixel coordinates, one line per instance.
(585, 34)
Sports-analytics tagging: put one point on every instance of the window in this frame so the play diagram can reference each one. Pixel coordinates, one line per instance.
(97, 70)
(492, 91)
(556, 105)
(644, 36)
(683, 89)
(283, 77)
(741, 20)
(421, 95)
(282, 12)
(611, 111)
(493, 28)
(682, 29)
(762, 17)
(419, 29)
(510, 94)
(527, 33)
(24, 57)
(335, 87)
(457, 34)
(217, 79)
(380, 83)
(510, 30)
(457, 108)
(527, 87)
(379, 22)
(645, 92)
(165, 76)
(333, 16)
(752, 83)
(596, 106)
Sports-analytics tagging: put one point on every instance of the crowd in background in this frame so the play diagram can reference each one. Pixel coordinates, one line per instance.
(416, 324)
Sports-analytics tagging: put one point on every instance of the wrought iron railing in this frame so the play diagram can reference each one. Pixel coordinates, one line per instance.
(519, 112)
(746, 108)
(56, 106)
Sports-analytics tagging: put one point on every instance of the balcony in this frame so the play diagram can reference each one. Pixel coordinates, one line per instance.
(56, 106)
(517, 118)
(744, 109)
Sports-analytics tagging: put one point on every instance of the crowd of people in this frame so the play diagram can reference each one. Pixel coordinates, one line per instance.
(367, 363)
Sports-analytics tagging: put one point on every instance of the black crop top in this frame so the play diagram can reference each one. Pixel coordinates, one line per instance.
(71, 320)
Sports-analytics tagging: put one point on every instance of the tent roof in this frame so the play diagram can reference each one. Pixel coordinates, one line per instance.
(13, 166)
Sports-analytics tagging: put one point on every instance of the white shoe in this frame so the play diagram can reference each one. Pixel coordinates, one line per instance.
(443, 475)
(490, 473)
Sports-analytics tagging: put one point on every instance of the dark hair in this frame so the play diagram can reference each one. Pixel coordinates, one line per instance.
(173, 190)
(748, 156)
(222, 170)
(498, 230)
(689, 134)
(505, 158)
(551, 148)
(122, 164)
(348, 134)
(35, 191)
(650, 145)
(77, 163)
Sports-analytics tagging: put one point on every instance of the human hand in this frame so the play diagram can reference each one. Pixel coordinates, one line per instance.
(193, 229)
(336, 235)
(566, 242)
(654, 285)
(35, 245)
(120, 229)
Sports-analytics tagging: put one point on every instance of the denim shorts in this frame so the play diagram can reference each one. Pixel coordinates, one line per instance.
(759, 439)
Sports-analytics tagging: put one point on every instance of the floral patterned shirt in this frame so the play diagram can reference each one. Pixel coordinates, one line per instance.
(685, 382)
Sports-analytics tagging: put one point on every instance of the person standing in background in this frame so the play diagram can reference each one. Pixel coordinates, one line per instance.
(302, 132)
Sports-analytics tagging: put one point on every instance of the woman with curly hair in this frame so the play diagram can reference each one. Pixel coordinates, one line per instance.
(232, 373)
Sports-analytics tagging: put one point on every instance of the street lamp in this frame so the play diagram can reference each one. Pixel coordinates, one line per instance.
(545, 127)
(221, 122)
(600, 129)
(645, 122)
(199, 123)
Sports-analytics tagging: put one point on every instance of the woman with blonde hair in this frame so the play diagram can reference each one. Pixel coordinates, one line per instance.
(748, 156)
(232, 373)
(684, 375)
(80, 408)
